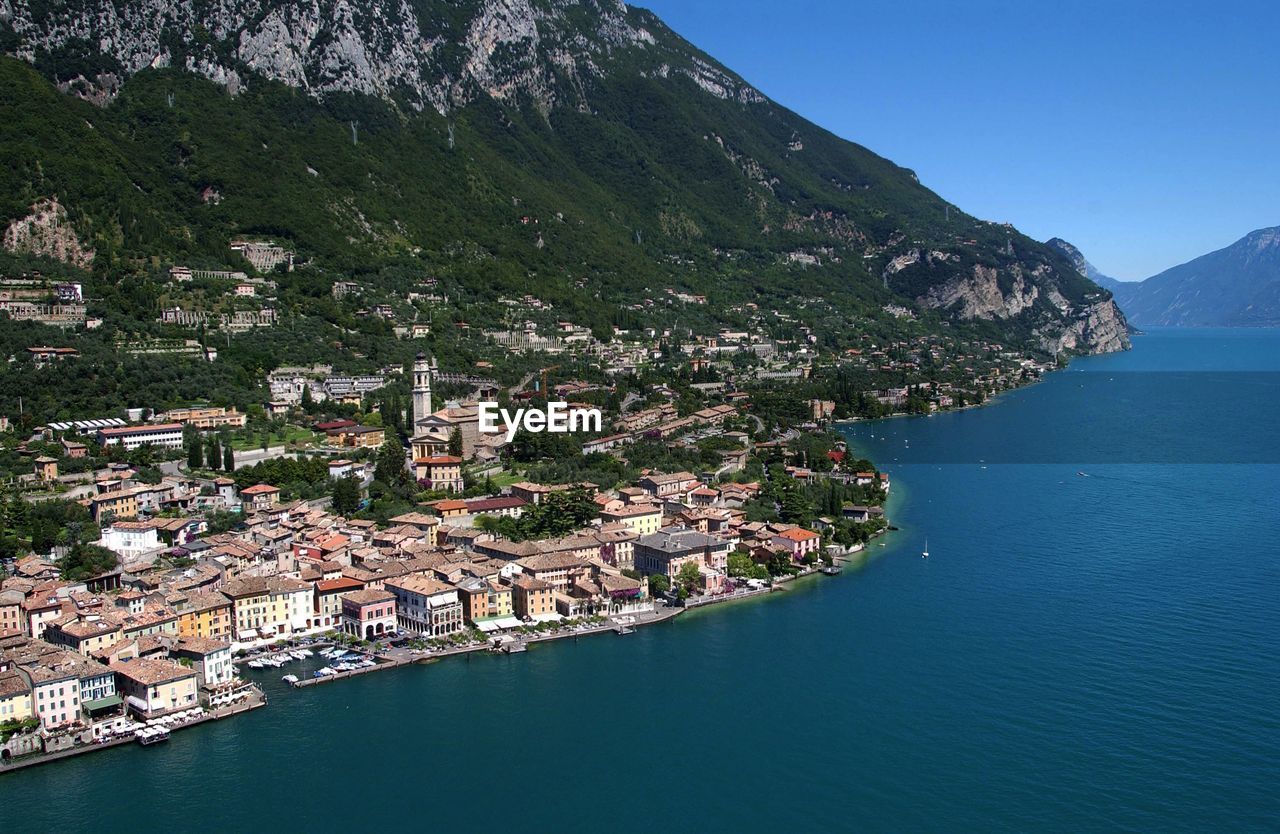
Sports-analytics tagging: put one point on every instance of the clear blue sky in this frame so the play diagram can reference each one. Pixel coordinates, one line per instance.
(1145, 133)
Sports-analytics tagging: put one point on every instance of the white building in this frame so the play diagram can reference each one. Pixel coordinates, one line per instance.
(426, 606)
(55, 695)
(130, 539)
(167, 435)
(210, 658)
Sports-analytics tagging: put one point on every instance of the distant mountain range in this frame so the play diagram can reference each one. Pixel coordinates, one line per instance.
(1237, 286)
(1082, 265)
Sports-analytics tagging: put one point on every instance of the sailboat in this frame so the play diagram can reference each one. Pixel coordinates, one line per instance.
(924, 554)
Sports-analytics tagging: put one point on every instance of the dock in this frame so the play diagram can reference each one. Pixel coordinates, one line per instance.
(256, 701)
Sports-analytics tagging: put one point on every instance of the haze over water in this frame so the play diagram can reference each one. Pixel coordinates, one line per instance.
(1078, 653)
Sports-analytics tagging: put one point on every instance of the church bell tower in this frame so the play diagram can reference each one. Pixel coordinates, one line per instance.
(421, 389)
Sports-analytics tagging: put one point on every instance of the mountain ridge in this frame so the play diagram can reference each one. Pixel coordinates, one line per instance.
(1237, 285)
(1084, 267)
(675, 168)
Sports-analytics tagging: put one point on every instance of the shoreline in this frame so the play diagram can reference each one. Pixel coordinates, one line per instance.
(665, 614)
(994, 397)
(36, 759)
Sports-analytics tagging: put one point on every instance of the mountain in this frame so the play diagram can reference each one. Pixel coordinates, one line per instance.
(1238, 286)
(581, 149)
(1082, 265)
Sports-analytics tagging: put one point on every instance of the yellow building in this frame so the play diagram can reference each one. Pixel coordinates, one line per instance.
(15, 697)
(209, 417)
(156, 687)
(533, 597)
(359, 437)
(264, 607)
(116, 506)
(87, 634)
(643, 519)
(206, 615)
(440, 472)
(484, 600)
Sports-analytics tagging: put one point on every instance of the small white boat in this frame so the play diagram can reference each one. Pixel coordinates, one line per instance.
(290, 679)
(324, 672)
(255, 664)
(924, 554)
(297, 655)
(305, 652)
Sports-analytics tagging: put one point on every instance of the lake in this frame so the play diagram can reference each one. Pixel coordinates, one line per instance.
(1092, 645)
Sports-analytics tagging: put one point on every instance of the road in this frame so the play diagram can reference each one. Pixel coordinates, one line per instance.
(246, 457)
(524, 381)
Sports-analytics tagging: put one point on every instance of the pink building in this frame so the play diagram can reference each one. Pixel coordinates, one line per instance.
(799, 541)
(369, 614)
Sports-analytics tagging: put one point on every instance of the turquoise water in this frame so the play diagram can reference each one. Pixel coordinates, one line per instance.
(1079, 653)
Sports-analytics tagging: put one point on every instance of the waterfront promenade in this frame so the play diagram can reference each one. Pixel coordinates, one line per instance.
(256, 700)
(397, 657)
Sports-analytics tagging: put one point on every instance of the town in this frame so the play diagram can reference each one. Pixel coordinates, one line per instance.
(159, 560)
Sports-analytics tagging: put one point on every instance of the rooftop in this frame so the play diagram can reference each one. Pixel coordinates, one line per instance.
(150, 672)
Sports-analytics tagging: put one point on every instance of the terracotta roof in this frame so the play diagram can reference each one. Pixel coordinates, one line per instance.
(200, 645)
(259, 489)
(151, 672)
(341, 585)
(124, 431)
(424, 585)
(369, 596)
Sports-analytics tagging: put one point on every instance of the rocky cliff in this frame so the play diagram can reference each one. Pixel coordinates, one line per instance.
(425, 54)
(47, 231)
(549, 137)
(1094, 324)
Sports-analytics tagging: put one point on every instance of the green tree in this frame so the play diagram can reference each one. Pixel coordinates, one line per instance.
(214, 453)
(743, 566)
(346, 496)
(389, 467)
(85, 561)
(195, 455)
(455, 442)
(228, 459)
(659, 584)
(687, 577)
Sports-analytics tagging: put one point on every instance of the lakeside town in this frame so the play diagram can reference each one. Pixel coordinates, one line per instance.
(157, 559)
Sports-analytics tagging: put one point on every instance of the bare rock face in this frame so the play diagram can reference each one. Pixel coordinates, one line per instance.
(1097, 328)
(47, 231)
(1059, 326)
(979, 296)
(429, 53)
